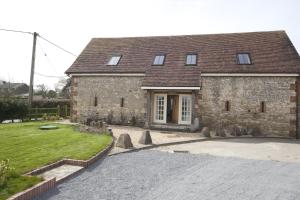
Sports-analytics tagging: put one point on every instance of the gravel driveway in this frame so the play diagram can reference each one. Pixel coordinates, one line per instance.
(168, 176)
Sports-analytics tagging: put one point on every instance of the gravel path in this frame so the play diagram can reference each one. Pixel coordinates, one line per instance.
(152, 174)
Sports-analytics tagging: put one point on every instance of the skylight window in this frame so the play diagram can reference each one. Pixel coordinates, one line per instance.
(114, 60)
(243, 58)
(159, 60)
(191, 59)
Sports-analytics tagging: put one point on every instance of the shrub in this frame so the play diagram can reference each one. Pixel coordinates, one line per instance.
(5, 172)
(45, 117)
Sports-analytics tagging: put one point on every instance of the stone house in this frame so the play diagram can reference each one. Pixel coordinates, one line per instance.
(248, 80)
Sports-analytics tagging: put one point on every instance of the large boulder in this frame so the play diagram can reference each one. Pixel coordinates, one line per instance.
(124, 141)
(145, 138)
(205, 132)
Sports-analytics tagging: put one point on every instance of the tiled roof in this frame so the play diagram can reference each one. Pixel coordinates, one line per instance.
(271, 52)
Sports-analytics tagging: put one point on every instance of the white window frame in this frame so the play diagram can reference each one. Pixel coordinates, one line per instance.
(164, 120)
(180, 109)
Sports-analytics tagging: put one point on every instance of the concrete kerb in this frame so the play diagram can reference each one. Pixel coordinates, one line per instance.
(46, 185)
(194, 141)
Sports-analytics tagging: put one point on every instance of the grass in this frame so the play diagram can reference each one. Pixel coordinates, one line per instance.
(27, 147)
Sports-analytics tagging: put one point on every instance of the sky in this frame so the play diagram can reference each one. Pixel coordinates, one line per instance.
(72, 23)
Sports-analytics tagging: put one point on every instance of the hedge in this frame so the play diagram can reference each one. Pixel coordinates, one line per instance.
(13, 109)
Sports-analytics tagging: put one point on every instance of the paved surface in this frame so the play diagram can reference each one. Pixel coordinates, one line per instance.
(286, 150)
(60, 172)
(152, 174)
(157, 136)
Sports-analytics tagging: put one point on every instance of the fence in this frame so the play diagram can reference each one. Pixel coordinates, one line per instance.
(62, 111)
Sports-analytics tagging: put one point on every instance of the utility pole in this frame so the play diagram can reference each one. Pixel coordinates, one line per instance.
(35, 34)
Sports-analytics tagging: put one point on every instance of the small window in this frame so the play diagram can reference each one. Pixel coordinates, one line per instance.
(227, 106)
(191, 59)
(159, 60)
(262, 106)
(95, 101)
(114, 60)
(122, 102)
(243, 58)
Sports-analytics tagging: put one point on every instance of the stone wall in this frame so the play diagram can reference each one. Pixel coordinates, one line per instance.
(108, 91)
(245, 95)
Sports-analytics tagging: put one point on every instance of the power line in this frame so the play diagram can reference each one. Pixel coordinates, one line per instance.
(47, 57)
(16, 31)
(49, 76)
(26, 32)
(57, 46)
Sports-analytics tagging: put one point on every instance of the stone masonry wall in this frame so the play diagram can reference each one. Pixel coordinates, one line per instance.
(108, 91)
(245, 95)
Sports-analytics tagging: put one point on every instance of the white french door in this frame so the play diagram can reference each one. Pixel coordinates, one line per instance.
(185, 109)
(160, 108)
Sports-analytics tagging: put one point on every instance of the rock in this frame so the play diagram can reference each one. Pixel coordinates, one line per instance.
(195, 125)
(205, 132)
(124, 141)
(145, 138)
(110, 132)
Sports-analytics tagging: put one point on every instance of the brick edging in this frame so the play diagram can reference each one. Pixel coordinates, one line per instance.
(46, 185)
(193, 141)
(34, 190)
(82, 163)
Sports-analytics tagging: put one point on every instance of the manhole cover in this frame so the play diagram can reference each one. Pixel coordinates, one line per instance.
(48, 127)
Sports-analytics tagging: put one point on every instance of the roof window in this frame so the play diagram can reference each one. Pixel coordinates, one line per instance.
(114, 60)
(159, 60)
(191, 59)
(243, 59)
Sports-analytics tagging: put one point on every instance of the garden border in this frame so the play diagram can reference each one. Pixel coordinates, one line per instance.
(46, 185)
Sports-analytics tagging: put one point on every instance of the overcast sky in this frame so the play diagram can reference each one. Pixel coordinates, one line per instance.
(71, 24)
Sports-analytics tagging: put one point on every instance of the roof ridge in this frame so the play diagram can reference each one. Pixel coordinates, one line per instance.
(208, 34)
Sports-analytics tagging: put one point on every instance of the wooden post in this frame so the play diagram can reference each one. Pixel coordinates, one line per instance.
(30, 98)
(36, 111)
(58, 110)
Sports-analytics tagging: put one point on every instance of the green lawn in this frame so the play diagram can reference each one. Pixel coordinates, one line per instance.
(27, 147)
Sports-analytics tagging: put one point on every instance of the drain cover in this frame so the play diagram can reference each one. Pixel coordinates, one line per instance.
(48, 127)
(180, 151)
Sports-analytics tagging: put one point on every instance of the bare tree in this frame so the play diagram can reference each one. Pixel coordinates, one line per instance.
(41, 90)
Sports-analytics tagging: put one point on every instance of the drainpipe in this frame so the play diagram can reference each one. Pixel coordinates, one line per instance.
(298, 107)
